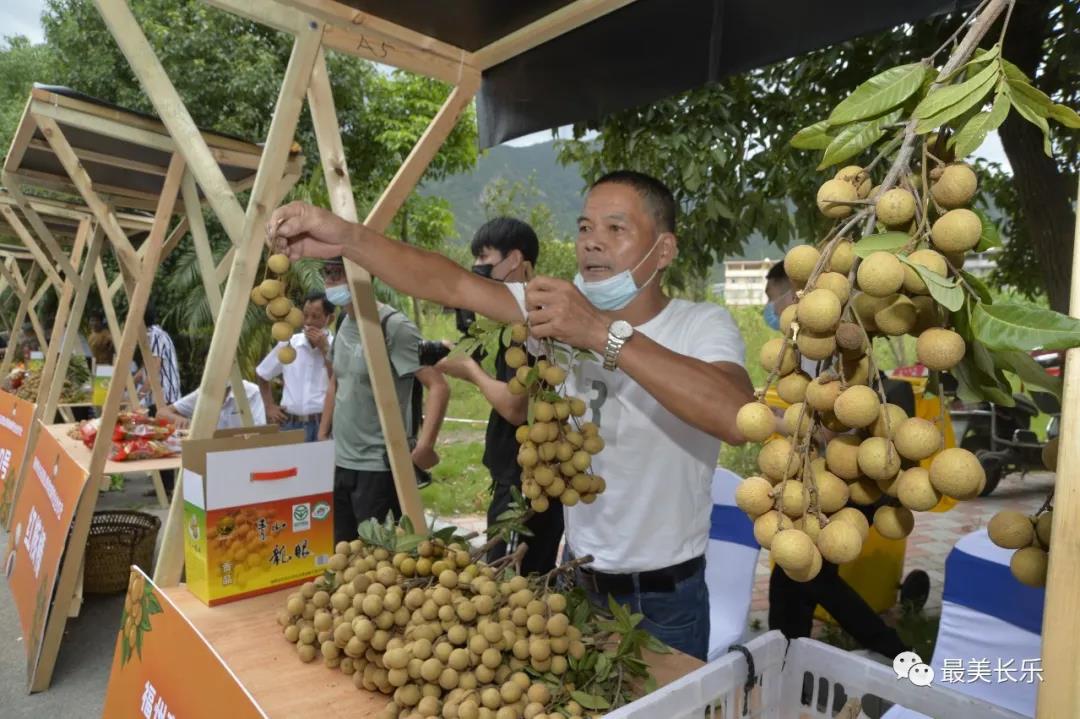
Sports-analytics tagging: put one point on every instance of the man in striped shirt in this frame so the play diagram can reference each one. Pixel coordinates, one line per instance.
(164, 355)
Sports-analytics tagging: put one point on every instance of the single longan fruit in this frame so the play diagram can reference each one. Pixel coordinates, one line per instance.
(843, 258)
(932, 261)
(515, 357)
(956, 231)
(842, 457)
(880, 275)
(940, 349)
(295, 318)
(957, 473)
(895, 207)
(914, 490)
(898, 317)
(836, 283)
(270, 289)
(816, 346)
(799, 263)
(832, 196)
(955, 186)
(793, 550)
(894, 522)
(822, 395)
(917, 438)
(771, 359)
(1029, 566)
(778, 460)
(258, 298)
(767, 525)
(857, 406)
(755, 421)
(840, 541)
(888, 421)
(278, 264)
(819, 311)
(792, 388)
(1011, 530)
(859, 179)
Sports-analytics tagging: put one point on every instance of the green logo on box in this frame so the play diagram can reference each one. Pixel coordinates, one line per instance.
(321, 511)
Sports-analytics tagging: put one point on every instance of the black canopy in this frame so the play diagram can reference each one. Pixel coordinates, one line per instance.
(642, 52)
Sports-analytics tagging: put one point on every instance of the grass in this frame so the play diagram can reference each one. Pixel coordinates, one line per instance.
(916, 629)
(460, 482)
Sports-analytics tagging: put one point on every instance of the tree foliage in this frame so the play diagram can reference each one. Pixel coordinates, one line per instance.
(525, 201)
(723, 149)
(228, 72)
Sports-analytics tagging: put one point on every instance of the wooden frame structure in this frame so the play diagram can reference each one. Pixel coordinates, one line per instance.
(119, 164)
(320, 24)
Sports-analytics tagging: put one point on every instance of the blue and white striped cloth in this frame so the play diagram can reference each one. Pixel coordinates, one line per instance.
(730, 562)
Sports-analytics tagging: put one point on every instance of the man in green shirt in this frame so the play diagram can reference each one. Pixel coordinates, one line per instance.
(363, 484)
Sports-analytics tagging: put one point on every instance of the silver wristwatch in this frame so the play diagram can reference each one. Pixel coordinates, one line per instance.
(619, 332)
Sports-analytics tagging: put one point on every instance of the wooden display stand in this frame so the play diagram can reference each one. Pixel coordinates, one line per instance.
(113, 161)
(281, 684)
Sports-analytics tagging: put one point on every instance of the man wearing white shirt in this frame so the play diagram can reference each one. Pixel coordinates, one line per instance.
(672, 382)
(305, 380)
(181, 411)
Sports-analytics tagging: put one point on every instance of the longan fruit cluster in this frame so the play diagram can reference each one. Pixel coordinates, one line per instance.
(236, 540)
(556, 448)
(272, 294)
(842, 304)
(1029, 536)
(437, 631)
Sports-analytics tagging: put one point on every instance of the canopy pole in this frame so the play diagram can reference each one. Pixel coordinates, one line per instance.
(1059, 693)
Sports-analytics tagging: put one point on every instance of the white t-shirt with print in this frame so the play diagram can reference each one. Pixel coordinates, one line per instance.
(656, 509)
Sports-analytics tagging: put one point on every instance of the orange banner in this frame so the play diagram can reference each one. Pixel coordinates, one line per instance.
(39, 527)
(164, 668)
(15, 417)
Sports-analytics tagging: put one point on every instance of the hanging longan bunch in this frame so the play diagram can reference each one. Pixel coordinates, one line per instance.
(803, 505)
(442, 633)
(1029, 536)
(272, 293)
(556, 447)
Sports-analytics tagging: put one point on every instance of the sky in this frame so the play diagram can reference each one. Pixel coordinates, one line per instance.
(23, 17)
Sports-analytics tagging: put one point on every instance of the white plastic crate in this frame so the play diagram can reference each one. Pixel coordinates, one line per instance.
(809, 680)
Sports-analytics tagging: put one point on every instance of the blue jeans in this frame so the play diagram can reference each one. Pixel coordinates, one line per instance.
(679, 618)
(311, 428)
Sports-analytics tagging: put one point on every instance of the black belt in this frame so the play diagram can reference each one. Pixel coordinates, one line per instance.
(656, 580)
(303, 418)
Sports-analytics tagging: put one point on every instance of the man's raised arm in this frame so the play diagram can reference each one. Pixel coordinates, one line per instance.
(303, 230)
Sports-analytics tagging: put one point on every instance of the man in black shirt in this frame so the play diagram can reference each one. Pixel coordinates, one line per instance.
(506, 249)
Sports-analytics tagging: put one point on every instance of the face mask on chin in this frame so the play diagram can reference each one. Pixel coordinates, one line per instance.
(617, 291)
(771, 318)
(338, 295)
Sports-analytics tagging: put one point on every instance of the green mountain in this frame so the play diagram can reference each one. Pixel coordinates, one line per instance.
(560, 188)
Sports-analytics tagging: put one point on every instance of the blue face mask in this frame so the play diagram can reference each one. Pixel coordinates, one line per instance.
(616, 291)
(338, 294)
(771, 318)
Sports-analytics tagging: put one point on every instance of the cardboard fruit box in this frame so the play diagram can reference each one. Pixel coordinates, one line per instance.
(258, 512)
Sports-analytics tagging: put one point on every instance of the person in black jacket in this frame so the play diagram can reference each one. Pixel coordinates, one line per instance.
(506, 249)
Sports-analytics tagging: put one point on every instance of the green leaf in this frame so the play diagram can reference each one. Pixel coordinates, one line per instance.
(882, 242)
(650, 684)
(1030, 372)
(944, 290)
(882, 92)
(590, 701)
(969, 137)
(1065, 116)
(1034, 113)
(855, 138)
(603, 666)
(655, 645)
(977, 386)
(979, 286)
(812, 137)
(941, 99)
(965, 104)
(989, 236)
(152, 606)
(1024, 327)
(125, 650)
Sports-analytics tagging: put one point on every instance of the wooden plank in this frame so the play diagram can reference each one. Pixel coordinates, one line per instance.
(39, 255)
(362, 35)
(242, 276)
(21, 139)
(102, 158)
(174, 115)
(154, 139)
(82, 455)
(204, 256)
(43, 232)
(122, 247)
(365, 308)
(136, 120)
(114, 328)
(76, 548)
(1059, 692)
(80, 287)
(549, 27)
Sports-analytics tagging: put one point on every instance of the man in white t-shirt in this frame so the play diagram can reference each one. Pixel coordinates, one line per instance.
(181, 411)
(667, 394)
(306, 378)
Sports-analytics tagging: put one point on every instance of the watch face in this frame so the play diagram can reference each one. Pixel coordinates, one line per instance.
(622, 329)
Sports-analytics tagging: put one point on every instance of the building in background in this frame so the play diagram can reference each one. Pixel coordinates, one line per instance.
(744, 281)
